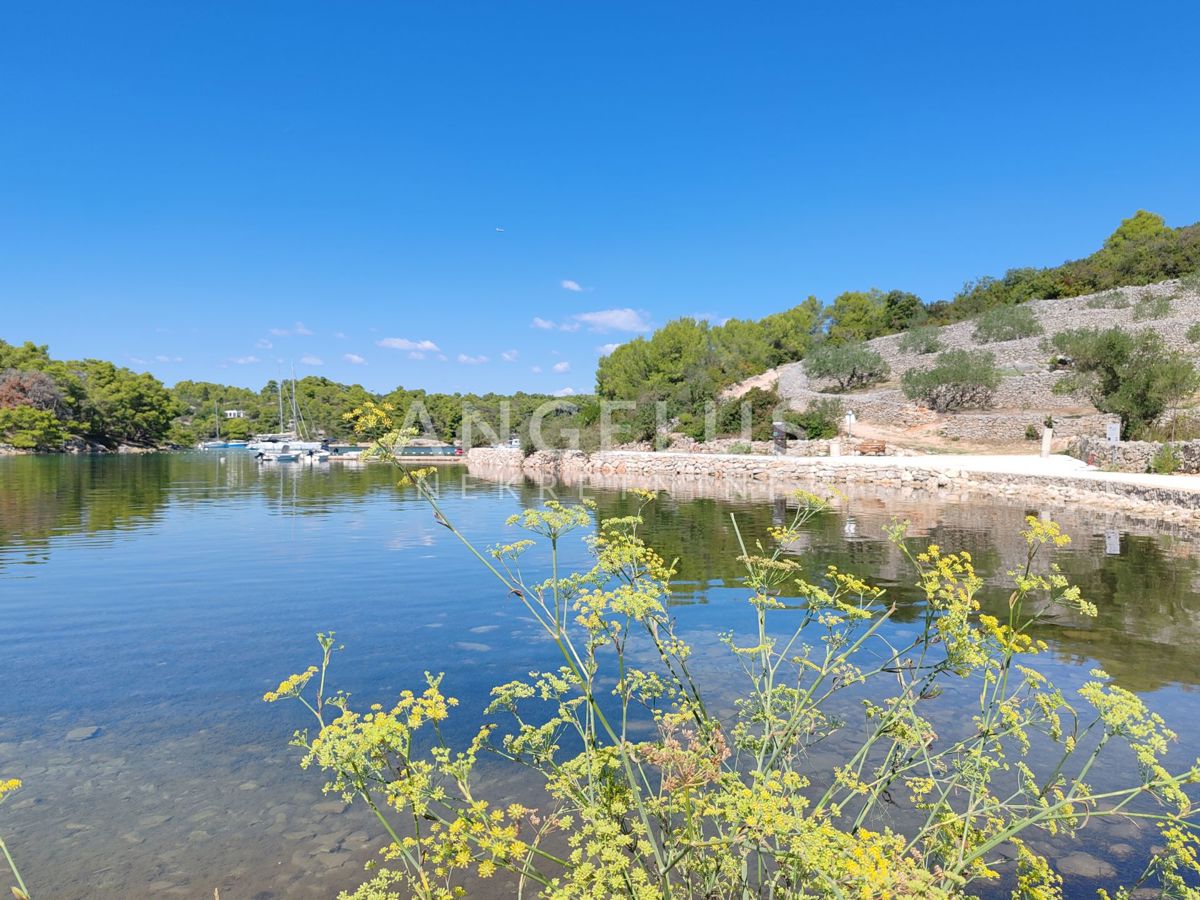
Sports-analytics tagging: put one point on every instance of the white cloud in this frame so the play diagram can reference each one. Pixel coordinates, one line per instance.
(298, 328)
(614, 320)
(340, 335)
(405, 344)
(263, 344)
(606, 349)
(442, 357)
(569, 285)
(137, 360)
(544, 324)
(564, 392)
(471, 360)
(536, 370)
(416, 354)
(563, 366)
(310, 360)
(246, 360)
(354, 358)
(569, 326)
(509, 355)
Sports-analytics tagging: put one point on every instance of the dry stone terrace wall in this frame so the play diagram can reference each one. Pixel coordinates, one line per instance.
(1134, 456)
(1027, 385)
(658, 470)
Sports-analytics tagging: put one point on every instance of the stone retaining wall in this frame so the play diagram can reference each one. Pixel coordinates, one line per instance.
(1133, 456)
(656, 470)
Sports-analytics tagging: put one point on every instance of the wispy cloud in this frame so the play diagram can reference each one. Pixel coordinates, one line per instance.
(354, 358)
(245, 360)
(569, 285)
(395, 343)
(163, 358)
(263, 344)
(471, 360)
(563, 366)
(544, 324)
(624, 319)
(299, 328)
(310, 360)
(340, 335)
(606, 349)
(536, 370)
(137, 360)
(416, 354)
(564, 392)
(509, 355)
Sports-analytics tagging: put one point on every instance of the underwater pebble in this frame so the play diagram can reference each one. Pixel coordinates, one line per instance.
(1084, 865)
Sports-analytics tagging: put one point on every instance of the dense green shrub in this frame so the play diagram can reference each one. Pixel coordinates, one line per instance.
(961, 379)
(819, 421)
(922, 339)
(739, 447)
(848, 365)
(1006, 323)
(756, 407)
(1193, 332)
(27, 428)
(1133, 376)
(1151, 306)
(1165, 460)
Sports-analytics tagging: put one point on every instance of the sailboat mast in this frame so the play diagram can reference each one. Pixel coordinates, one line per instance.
(279, 385)
(217, 418)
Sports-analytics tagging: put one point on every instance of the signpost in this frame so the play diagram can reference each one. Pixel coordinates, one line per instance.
(1113, 433)
(779, 437)
(850, 420)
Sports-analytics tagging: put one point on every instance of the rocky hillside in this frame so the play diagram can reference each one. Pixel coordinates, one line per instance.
(1025, 396)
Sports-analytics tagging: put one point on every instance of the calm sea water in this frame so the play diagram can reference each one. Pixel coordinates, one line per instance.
(147, 602)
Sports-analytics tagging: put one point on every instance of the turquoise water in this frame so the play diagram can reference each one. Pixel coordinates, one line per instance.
(147, 602)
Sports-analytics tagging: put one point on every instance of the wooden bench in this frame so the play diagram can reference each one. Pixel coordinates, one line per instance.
(871, 448)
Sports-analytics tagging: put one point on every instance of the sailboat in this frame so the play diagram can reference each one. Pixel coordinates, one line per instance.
(288, 446)
(218, 444)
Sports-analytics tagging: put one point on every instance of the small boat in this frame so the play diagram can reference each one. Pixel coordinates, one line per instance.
(277, 456)
(237, 445)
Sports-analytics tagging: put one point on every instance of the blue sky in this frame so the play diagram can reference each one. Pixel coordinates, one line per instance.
(221, 190)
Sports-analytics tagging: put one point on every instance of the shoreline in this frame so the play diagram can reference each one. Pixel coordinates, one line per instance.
(1055, 480)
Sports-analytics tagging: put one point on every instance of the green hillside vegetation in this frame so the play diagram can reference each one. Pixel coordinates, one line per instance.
(687, 363)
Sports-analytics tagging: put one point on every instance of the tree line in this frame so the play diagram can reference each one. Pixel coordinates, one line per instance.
(46, 403)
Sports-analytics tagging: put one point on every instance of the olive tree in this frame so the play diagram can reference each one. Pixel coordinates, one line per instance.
(848, 365)
(960, 379)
